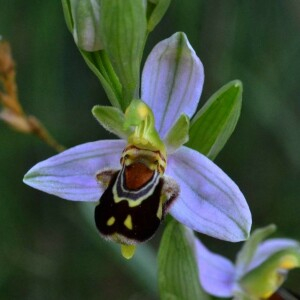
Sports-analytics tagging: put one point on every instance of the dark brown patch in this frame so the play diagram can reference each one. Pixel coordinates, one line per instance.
(144, 219)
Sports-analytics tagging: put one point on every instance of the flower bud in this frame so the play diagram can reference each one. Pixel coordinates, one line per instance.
(86, 19)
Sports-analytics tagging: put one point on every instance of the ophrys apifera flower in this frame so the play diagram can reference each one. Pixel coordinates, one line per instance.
(149, 172)
(260, 268)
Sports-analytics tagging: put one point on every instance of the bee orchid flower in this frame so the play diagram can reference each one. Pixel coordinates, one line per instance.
(260, 268)
(149, 171)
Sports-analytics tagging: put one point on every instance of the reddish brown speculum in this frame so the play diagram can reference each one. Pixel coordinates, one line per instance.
(137, 175)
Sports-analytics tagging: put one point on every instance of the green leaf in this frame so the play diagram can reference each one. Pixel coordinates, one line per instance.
(248, 250)
(123, 30)
(67, 13)
(178, 134)
(177, 270)
(100, 65)
(112, 119)
(214, 123)
(155, 11)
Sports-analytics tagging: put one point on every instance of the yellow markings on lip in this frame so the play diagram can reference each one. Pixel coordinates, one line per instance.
(128, 222)
(267, 295)
(110, 221)
(159, 212)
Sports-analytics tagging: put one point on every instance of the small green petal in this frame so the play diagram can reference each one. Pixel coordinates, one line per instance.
(177, 268)
(214, 123)
(264, 280)
(178, 134)
(155, 11)
(249, 248)
(112, 119)
(123, 30)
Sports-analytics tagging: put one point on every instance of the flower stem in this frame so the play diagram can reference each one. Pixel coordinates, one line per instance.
(12, 112)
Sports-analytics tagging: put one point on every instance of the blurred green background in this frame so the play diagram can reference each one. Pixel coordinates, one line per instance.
(48, 250)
